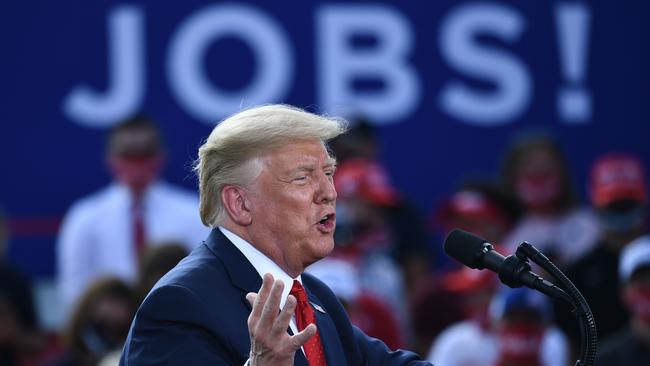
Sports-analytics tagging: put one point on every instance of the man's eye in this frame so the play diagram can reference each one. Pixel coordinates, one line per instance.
(301, 178)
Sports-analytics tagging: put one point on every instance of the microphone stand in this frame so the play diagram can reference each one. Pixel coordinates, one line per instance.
(567, 292)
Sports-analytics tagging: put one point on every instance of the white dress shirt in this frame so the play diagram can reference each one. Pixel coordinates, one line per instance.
(263, 265)
(96, 238)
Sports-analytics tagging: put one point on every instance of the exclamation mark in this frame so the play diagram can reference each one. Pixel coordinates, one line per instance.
(572, 21)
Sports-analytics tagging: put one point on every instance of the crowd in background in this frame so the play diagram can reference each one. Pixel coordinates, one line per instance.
(387, 268)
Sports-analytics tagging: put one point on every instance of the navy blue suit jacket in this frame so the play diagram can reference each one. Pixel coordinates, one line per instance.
(197, 315)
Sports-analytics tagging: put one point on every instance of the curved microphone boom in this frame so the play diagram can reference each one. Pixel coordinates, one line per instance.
(513, 271)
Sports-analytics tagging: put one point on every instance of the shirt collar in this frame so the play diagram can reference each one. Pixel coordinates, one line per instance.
(262, 263)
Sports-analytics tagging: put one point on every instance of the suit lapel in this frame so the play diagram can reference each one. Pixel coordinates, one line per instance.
(300, 359)
(241, 272)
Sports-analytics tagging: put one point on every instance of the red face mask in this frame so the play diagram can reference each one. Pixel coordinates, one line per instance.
(136, 172)
(638, 301)
(520, 344)
(538, 190)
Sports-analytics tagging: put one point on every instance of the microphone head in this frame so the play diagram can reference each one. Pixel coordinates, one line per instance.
(466, 248)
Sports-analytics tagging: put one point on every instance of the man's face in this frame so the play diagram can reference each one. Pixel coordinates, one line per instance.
(135, 157)
(292, 204)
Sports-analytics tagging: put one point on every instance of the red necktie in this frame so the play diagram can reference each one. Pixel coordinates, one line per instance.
(305, 316)
(139, 235)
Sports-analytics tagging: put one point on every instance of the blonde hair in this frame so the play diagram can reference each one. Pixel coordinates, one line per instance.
(228, 155)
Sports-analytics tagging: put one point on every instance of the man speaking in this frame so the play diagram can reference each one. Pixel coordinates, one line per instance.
(266, 187)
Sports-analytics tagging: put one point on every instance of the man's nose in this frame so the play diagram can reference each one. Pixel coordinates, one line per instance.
(326, 191)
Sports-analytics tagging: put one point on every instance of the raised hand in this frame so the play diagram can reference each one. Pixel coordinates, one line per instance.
(270, 342)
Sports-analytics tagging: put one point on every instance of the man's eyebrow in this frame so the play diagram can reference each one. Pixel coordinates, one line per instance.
(306, 167)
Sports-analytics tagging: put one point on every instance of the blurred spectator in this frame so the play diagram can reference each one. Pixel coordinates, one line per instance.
(364, 236)
(482, 208)
(105, 233)
(411, 246)
(525, 332)
(365, 310)
(19, 336)
(474, 290)
(536, 171)
(631, 347)
(21, 342)
(157, 260)
(360, 142)
(99, 323)
(519, 334)
(619, 194)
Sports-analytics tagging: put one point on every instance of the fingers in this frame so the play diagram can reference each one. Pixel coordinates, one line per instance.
(271, 306)
(251, 296)
(282, 321)
(302, 337)
(257, 300)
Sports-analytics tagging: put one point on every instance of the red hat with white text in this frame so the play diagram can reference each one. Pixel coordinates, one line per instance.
(617, 177)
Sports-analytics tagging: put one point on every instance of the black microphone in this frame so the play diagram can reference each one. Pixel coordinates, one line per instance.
(472, 251)
(477, 253)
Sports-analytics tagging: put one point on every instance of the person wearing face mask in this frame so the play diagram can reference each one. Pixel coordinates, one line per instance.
(619, 194)
(631, 347)
(524, 331)
(536, 171)
(106, 232)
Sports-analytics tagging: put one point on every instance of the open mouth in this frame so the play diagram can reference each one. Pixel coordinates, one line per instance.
(326, 223)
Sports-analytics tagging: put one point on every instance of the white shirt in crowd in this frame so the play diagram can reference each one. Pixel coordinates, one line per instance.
(96, 238)
(466, 344)
(567, 236)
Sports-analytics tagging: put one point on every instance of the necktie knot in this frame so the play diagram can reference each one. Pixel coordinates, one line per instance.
(298, 292)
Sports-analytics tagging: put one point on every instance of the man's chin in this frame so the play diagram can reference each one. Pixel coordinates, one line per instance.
(323, 249)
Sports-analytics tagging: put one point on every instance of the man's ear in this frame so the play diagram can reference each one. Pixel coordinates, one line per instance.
(235, 201)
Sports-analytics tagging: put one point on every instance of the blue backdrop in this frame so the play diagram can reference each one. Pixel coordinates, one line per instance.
(448, 84)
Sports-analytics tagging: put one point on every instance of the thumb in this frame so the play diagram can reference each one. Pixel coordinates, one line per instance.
(302, 337)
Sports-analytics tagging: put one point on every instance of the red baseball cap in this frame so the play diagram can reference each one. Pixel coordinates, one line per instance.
(366, 179)
(471, 204)
(616, 177)
(467, 280)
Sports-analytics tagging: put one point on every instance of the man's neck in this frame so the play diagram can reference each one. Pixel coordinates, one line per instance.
(274, 255)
